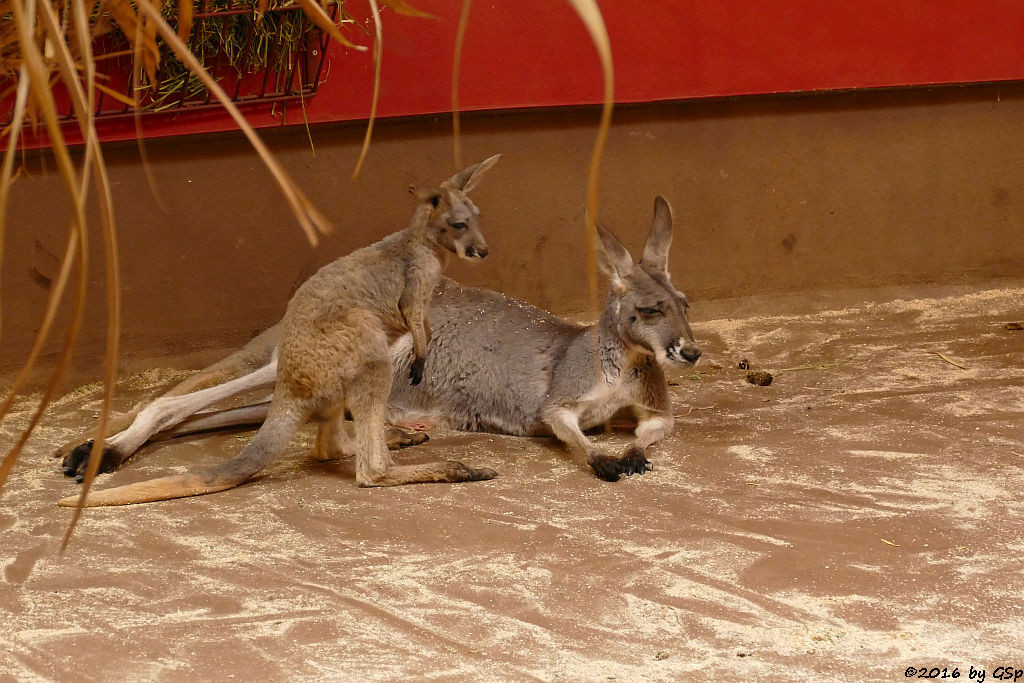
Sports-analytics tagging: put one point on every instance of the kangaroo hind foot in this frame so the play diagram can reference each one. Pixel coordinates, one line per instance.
(450, 471)
(399, 438)
(75, 462)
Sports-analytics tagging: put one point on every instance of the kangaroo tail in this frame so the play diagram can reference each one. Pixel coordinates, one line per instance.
(270, 441)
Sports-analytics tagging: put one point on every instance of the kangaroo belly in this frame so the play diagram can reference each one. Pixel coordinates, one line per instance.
(488, 363)
(469, 390)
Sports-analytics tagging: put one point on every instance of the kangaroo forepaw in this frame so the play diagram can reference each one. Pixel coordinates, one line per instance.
(605, 466)
(634, 461)
(610, 468)
(77, 460)
(459, 472)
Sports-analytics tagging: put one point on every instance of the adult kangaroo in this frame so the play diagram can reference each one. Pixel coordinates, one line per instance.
(333, 354)
(501, 365)
(494, 364)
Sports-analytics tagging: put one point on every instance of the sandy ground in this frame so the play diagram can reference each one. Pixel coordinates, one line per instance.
(862, 515)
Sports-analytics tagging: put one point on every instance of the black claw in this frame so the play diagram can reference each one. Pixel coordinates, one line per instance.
(635, 461)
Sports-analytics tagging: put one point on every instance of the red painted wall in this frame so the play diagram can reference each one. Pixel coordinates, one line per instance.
(528, 53)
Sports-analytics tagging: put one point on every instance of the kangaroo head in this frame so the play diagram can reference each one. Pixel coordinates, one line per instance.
(453, 219)
(648, 313)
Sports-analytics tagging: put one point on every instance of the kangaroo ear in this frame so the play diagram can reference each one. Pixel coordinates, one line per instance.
(426, 194)
(469, 177)
(613, 258)
(660, 239)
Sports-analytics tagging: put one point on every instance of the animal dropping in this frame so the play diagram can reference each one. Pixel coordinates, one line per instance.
(760, 378)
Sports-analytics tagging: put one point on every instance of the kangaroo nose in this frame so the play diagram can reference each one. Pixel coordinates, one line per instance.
(481, 252)
(691, 355)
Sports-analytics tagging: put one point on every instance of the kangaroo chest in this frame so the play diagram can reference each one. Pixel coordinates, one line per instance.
(606, 399)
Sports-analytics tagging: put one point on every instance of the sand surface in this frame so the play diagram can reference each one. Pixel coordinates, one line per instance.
(862, 515)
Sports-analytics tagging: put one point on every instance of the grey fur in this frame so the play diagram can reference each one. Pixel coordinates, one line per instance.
(501, 365)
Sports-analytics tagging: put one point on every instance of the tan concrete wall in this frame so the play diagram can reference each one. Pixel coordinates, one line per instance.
(770, 195)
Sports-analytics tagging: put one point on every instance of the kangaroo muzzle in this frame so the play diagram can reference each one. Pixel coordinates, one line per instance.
(683, 351)
(476, 252)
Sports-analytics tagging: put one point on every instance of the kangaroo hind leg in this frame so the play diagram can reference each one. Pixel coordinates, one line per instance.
(332, 439)
(374, 466)
(256, 354)
(163, 413)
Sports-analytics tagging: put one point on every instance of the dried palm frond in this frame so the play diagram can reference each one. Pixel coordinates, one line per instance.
(592, 19)
(33, 65)
(378, 48)
(46, 43)
(460, 38)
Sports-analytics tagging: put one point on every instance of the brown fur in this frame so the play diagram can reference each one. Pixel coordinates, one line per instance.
(333, 353)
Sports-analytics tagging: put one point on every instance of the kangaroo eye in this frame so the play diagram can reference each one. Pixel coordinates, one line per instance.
(459, 226)
(649, 311)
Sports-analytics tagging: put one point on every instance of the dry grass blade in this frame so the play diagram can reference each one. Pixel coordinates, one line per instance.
(460, 37)
(261, 9)
(87, 125)
(693, 408)
(113, 337)
(402, 7)
(319, 17)
(130, 24)
(185, 10)
(78, 237)
(120, 97)
(305, 117)
(592, 19)
(378, 46)
(7, 174)
(40, 86)
(150, 57)
(140, 142)
(311, 220)
(949, 360)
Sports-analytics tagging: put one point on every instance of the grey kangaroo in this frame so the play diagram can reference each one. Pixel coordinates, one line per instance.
(333, 353)
(494, 364)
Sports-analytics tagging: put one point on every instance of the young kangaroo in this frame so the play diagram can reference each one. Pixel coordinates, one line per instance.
(494, 364)
(333, 353)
